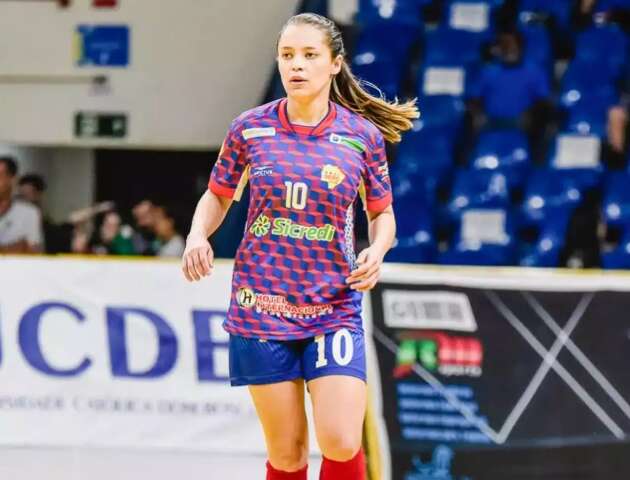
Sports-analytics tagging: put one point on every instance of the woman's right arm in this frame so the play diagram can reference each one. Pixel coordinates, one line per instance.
(198, 258)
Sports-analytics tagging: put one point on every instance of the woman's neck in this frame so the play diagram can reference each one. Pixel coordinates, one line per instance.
(307, 112)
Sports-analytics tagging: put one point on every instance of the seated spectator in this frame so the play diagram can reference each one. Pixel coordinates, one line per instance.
(144, 214)
(20, 222)
(509, 90)
(170, 242)
(31, 188)
(57, 237)
(111, 236)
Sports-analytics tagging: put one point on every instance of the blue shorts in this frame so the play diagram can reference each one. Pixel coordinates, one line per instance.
(256, 361)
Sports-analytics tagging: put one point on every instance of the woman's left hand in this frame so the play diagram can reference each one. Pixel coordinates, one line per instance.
(368, 270)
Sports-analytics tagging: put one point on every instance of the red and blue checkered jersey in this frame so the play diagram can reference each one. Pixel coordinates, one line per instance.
(298, 246)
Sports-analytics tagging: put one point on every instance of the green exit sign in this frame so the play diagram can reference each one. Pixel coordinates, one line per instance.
(100, 125)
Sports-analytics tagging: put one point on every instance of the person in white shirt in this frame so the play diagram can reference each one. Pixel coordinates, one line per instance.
(171, 243)
(20, 222)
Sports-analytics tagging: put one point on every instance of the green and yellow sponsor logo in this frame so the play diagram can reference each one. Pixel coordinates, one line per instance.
(261, 226)
(284, 227)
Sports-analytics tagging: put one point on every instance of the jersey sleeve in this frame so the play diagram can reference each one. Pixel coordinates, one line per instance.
(376, 189)
(231, 170)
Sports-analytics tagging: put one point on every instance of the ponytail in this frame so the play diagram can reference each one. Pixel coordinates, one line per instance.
(391, 118)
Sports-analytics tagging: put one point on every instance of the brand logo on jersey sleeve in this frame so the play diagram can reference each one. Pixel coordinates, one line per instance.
(258, 132)
(332, 175)
(352, 143)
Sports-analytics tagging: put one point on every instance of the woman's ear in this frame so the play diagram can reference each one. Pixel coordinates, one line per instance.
(337, 62)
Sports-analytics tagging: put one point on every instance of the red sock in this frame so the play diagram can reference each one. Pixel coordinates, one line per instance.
(273, 474)
(353, 469)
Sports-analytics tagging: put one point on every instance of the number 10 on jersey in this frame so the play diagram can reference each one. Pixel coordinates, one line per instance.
(296, 195)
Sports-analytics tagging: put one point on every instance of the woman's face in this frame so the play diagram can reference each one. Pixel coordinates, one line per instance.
(110, 227)
(305, 61)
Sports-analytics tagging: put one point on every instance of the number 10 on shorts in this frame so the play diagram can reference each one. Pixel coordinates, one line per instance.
(340, 337)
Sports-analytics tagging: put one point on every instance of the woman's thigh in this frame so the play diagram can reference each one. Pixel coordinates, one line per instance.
(280, 408)
(339, 404)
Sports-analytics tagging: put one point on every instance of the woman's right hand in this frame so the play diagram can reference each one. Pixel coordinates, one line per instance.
(198, 258)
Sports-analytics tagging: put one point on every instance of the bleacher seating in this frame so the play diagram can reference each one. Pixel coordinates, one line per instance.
(495, 196)
(483, 236)
(505, 151)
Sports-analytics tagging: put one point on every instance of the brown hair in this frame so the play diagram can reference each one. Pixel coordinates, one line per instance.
(391, 118)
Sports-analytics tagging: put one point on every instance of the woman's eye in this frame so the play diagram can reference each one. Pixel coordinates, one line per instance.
(311, 55)
(286, 56)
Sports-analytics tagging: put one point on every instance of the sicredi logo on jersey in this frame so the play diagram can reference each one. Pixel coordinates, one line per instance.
(285, 227)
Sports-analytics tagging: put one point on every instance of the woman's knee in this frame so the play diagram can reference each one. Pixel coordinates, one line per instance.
(288, 455)
(339, 445)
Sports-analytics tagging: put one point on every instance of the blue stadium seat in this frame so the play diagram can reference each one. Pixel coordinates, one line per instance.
(395, 11)
(620, 256)
(415, 237)
(440, 99)
(616, 201)
(424, 150)
(537, 45)
(603, 47)
(547, 192)
(381, 55)
(505, 151)
(448, 47)
(477, 189)
(441, 111)
(444, 80)
(606, 5)
(469, 17)
(586, 94)
(483, 237)
(580, 161)
(559, 10)
(423, 162)
(550, 241)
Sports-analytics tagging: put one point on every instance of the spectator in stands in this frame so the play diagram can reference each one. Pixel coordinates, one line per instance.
(509, 91)
(31, 188)
(171, 242)
(57, 237)
(144, 214)
(111, 236)
(20, 222)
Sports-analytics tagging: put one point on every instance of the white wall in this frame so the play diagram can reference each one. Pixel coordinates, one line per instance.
(195, 65)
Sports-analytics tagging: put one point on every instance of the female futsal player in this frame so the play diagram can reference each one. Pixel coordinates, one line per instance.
(295, 308)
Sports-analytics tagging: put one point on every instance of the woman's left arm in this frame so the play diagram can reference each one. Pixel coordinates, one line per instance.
(382, 231)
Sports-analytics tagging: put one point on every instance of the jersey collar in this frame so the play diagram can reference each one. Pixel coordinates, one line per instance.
(303, 129)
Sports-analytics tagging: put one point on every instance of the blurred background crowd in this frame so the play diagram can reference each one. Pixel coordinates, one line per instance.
(150, 228)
